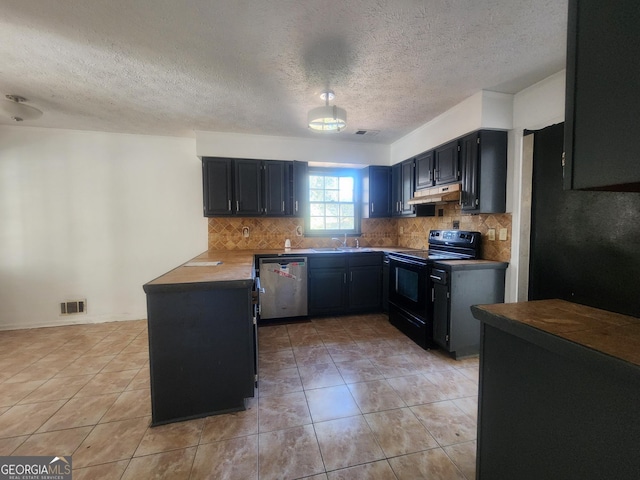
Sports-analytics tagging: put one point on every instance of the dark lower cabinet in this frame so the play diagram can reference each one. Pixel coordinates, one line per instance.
(342, 283)
(201, 349)
(456, 285)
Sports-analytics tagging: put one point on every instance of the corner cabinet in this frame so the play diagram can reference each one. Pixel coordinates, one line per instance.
(483, 165)
(602, 103)
(403, 187)
(247, 187)
(376, 192)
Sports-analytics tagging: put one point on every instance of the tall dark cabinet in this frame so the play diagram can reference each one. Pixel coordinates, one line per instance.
(217, 178)
(376, 192)
(403, 187)
(483, 165)
(248, 186)
(602, 103)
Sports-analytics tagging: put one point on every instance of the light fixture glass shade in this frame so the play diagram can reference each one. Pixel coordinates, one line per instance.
(327, 119)
(19, 111)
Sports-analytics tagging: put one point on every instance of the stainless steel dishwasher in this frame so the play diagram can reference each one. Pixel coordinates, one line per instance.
(283, 283)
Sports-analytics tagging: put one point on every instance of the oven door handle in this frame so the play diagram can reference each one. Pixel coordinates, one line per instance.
(406, 261)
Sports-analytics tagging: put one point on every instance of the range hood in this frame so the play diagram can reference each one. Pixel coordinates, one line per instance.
(442, 194)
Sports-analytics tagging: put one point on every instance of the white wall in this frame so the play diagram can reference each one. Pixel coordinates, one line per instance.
(217, 144)
(92, 215)
(535, 107)
(484, 109)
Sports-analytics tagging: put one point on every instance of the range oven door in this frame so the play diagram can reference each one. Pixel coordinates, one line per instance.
(408, 287)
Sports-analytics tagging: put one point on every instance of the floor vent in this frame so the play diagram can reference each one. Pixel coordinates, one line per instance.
(73, 307)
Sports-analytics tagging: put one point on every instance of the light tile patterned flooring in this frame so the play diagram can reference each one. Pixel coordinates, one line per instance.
(339, 398)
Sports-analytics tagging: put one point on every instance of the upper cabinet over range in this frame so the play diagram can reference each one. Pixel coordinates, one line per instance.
(248, 187)
(602, 102)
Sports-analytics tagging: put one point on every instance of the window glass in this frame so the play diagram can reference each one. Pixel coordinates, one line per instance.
(332, 202)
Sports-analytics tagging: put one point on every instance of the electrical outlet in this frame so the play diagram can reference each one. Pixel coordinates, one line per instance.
(503, 234)
(245, 232)
(491, 234)
(401, 230)
(299, 231)
(456, 224)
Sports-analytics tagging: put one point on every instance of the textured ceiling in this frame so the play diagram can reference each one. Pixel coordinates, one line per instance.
(251, 66)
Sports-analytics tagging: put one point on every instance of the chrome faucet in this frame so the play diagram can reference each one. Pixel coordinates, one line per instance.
(344, 243)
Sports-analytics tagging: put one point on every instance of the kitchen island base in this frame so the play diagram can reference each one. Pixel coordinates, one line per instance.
(201, 349)
(550, 407)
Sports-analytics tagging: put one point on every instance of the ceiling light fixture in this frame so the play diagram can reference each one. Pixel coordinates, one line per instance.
(328, 118)
(15, 109)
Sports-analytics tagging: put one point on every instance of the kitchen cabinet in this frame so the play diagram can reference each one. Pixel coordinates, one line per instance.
(446, 167)
(403, 187)
(455, 286)
(217, 180)
(248, 187)
(202, 348)
(299, 180)
(342, 283)
(602, 109)
(483, 165)
(424, 170)
(376, 192)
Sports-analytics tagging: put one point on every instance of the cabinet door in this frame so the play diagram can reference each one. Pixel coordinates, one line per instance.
(396, 189)
(365, 288)
(300, 184)
(446, 163)
(602, 102)
(379, 192)
(327, 291)
(408, 187)
(248, 187)
(277, 201)
(424, 170)
(441, 315)
(217, 179)
(469, 198)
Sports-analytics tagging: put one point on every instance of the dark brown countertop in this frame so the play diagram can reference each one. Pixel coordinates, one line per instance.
(236, 266)
(612, 334)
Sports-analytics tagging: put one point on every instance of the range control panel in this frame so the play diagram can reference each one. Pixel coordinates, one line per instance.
(454, 237)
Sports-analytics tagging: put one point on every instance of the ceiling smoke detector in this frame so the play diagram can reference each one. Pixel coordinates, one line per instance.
(15, 109)
(329, 118)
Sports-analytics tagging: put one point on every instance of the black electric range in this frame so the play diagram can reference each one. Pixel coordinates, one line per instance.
(410, 304)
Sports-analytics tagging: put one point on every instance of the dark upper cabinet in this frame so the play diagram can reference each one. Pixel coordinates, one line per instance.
(424, 170)
(248, 187)
(217, 179)
(299, 181)
(602, 111)
(446, 168)
(277, 200)
(483, 165)
(403, 187)
(376, 192)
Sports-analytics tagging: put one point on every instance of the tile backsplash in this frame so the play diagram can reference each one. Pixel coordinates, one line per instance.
(225, 233)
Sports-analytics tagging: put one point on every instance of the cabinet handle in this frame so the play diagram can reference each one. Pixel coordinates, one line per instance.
(296, 206)
(344, 277)
(435, 277)
(373, 207)
(238, 205)
(433, 294)
(229, 205)
(283, 205)
(351, 280)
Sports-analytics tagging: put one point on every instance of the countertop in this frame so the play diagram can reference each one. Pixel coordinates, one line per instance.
(613, 335)
(235, 266)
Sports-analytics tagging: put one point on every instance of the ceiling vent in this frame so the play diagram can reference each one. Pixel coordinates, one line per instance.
(368, 133)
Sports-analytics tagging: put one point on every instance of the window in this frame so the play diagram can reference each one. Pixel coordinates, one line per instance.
(332, 202)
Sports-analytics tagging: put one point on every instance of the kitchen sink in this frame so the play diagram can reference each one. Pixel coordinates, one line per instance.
(340, 249)
(326, 249)
(354, 249)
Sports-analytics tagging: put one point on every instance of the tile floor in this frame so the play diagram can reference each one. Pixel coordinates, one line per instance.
(339, 398)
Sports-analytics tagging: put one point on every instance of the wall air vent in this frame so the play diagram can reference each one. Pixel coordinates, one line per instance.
(368, 133)
(73, 307)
